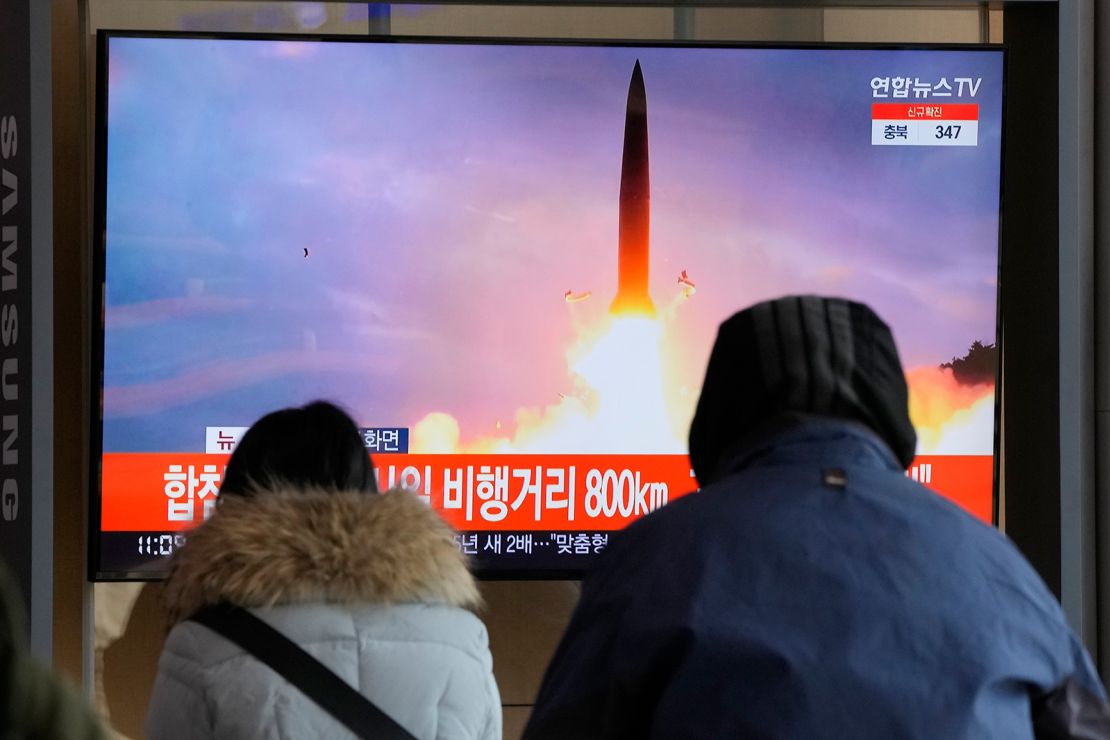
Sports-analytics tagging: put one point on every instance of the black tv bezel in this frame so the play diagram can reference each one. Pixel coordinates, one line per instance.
(98, 252)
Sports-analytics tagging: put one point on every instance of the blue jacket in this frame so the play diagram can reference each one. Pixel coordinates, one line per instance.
(813, 591)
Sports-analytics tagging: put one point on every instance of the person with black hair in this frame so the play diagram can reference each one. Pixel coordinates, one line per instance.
(316, 446)
(810, 589)
(371, 586)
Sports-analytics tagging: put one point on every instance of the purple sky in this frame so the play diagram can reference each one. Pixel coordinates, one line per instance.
(450, 194)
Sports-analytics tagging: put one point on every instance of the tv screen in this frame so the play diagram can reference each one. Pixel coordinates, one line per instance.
(508, 260)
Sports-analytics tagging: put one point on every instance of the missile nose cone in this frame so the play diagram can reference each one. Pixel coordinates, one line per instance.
(637, 94)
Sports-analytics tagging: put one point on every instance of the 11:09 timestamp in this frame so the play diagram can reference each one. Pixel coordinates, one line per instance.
(160, 544)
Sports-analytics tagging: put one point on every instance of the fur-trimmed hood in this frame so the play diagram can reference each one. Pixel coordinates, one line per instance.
(294, 546)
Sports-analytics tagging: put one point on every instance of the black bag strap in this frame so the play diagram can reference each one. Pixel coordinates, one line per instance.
(334, 695)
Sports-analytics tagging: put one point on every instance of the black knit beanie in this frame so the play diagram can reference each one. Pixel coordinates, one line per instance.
(802, 354)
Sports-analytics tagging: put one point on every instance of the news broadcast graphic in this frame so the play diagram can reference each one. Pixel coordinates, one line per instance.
(508, 262)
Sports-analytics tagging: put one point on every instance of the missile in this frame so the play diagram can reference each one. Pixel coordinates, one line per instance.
(635, 202)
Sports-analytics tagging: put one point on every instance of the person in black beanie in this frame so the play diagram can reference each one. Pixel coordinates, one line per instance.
(810, 589)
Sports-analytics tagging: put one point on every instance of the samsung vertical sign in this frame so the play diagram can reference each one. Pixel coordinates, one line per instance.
(15, 289)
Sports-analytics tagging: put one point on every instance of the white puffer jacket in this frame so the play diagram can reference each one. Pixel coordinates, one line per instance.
(372, 586)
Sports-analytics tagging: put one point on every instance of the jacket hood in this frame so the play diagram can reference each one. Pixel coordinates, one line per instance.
(799, 354)
(292, 546)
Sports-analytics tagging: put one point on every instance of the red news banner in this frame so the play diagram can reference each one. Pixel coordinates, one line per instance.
(169, 492)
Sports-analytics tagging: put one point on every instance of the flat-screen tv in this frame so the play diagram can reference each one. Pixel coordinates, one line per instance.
(508, 260)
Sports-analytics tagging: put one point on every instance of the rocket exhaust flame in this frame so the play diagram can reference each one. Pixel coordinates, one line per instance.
(635, 207)
(950, 417)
